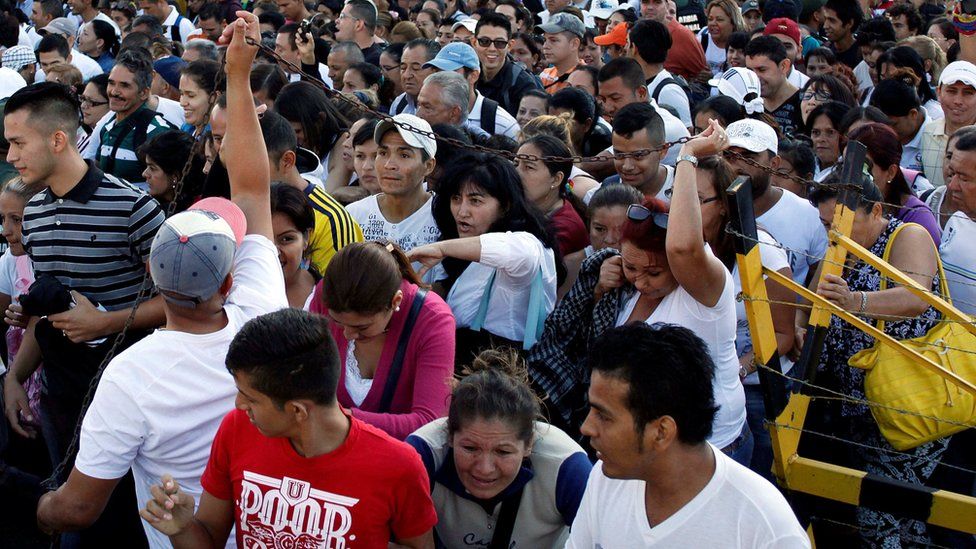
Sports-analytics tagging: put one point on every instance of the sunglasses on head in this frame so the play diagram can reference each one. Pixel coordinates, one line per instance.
(639, 214)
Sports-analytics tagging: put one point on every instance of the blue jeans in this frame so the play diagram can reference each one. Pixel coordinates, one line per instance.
(741, 450)
(762, 455)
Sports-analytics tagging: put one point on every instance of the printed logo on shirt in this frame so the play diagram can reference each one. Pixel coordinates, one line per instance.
(288, 512)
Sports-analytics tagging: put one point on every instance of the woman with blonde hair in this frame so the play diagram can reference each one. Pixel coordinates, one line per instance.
(405, 31)
(561, 127)
(933, 57)
(724, 18)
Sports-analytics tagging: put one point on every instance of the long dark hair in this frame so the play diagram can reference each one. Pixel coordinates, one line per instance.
(106, 33)
(722, 177)
(906, 57)
(885, 149)
(497, 177)
(308, 106)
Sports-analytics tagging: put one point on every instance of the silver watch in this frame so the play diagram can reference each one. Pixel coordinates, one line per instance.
(689, 158)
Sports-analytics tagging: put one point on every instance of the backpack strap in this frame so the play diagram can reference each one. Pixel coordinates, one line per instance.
(660, 86)
(502, 538)
(489, 115)
(397, 365)
(401, 106)
(174, 31)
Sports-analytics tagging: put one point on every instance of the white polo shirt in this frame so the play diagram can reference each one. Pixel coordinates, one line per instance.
(505, 123)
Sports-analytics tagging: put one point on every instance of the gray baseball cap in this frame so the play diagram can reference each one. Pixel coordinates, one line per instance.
(61, 25)
(193, 251)
(564, 22)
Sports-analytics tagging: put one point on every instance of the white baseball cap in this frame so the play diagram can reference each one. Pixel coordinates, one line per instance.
(470, 24)
(753, 135)
(959, 71)
(603, 9)
(414, 139)
(738, 83)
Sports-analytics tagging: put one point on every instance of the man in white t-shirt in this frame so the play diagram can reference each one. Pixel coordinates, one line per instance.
(791, 220)
(958, 248)
(401, 213)
(658, 483)
(175, 27)
(85, 11)
(160, 402)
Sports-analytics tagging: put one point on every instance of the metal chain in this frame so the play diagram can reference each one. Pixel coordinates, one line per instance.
(145, 287)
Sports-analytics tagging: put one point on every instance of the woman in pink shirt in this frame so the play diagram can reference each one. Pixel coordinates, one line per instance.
(395, 339)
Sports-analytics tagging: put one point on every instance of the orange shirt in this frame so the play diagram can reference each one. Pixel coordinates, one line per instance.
(552, 81)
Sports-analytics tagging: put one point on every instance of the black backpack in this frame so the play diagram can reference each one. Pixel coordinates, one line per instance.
(673, 79)
(489, 115)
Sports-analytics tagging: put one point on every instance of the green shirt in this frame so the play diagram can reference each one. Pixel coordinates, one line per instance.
(119, 141)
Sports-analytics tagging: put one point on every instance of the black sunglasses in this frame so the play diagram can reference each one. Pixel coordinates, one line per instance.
(500, 43)
(639, 214)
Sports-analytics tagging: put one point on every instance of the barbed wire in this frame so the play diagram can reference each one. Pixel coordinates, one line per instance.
(866, 269)
(862, 445)
(922, 542)
(808, 306)
(850, 399)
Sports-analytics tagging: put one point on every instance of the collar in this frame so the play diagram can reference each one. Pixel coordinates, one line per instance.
(171, 18)
(500, 79)
(934, 128)
(476, 106)
(661, 75)
(447, 476)
(917, 139)
(83, 190)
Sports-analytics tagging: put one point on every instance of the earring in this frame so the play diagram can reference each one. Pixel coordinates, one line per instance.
(397, 310)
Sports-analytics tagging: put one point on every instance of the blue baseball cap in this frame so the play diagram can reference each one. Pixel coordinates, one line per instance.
(169, 68)
(454, 56)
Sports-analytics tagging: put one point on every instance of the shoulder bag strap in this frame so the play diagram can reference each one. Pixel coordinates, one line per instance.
(397, 365)
(502, 538)
(660, 86)
(489, 113)
(943, 284)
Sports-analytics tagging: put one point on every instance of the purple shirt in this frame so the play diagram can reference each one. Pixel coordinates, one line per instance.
(915, 211)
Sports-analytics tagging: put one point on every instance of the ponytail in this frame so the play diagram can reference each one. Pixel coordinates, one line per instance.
(363, 277)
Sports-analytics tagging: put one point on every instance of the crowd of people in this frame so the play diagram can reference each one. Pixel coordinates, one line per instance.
(437, 273)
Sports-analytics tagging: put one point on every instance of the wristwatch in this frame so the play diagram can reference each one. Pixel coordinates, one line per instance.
(689, 158)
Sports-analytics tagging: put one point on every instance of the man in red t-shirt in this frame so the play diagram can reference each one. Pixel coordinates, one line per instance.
(289, 467)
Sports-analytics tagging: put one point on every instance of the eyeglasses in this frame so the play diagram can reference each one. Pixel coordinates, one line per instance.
(821, 95)
(91, 102)
(500, 43)
(639, 214)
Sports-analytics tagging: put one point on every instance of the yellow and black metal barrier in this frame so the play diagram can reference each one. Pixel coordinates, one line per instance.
(786, 411)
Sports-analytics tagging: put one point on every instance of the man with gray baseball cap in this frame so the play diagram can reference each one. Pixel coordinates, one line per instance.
(160, 402)
(563, 34)
(68, 28)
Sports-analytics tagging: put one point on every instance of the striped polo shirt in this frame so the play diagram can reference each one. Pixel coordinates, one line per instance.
(334, 227)
(120, 137)
(95, 239)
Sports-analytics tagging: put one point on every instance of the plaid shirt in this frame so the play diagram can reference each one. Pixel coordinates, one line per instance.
(557, 363)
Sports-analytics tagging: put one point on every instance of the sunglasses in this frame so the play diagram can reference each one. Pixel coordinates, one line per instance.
(639, 214)
(500, 43)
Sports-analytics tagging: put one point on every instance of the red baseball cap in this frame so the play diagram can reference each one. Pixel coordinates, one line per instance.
(785, 26)
(618, 36)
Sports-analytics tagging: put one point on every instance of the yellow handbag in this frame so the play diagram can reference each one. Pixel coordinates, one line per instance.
(894, 381)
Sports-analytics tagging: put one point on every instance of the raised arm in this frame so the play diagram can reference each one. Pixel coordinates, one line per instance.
(700, 273)
(244, 150)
